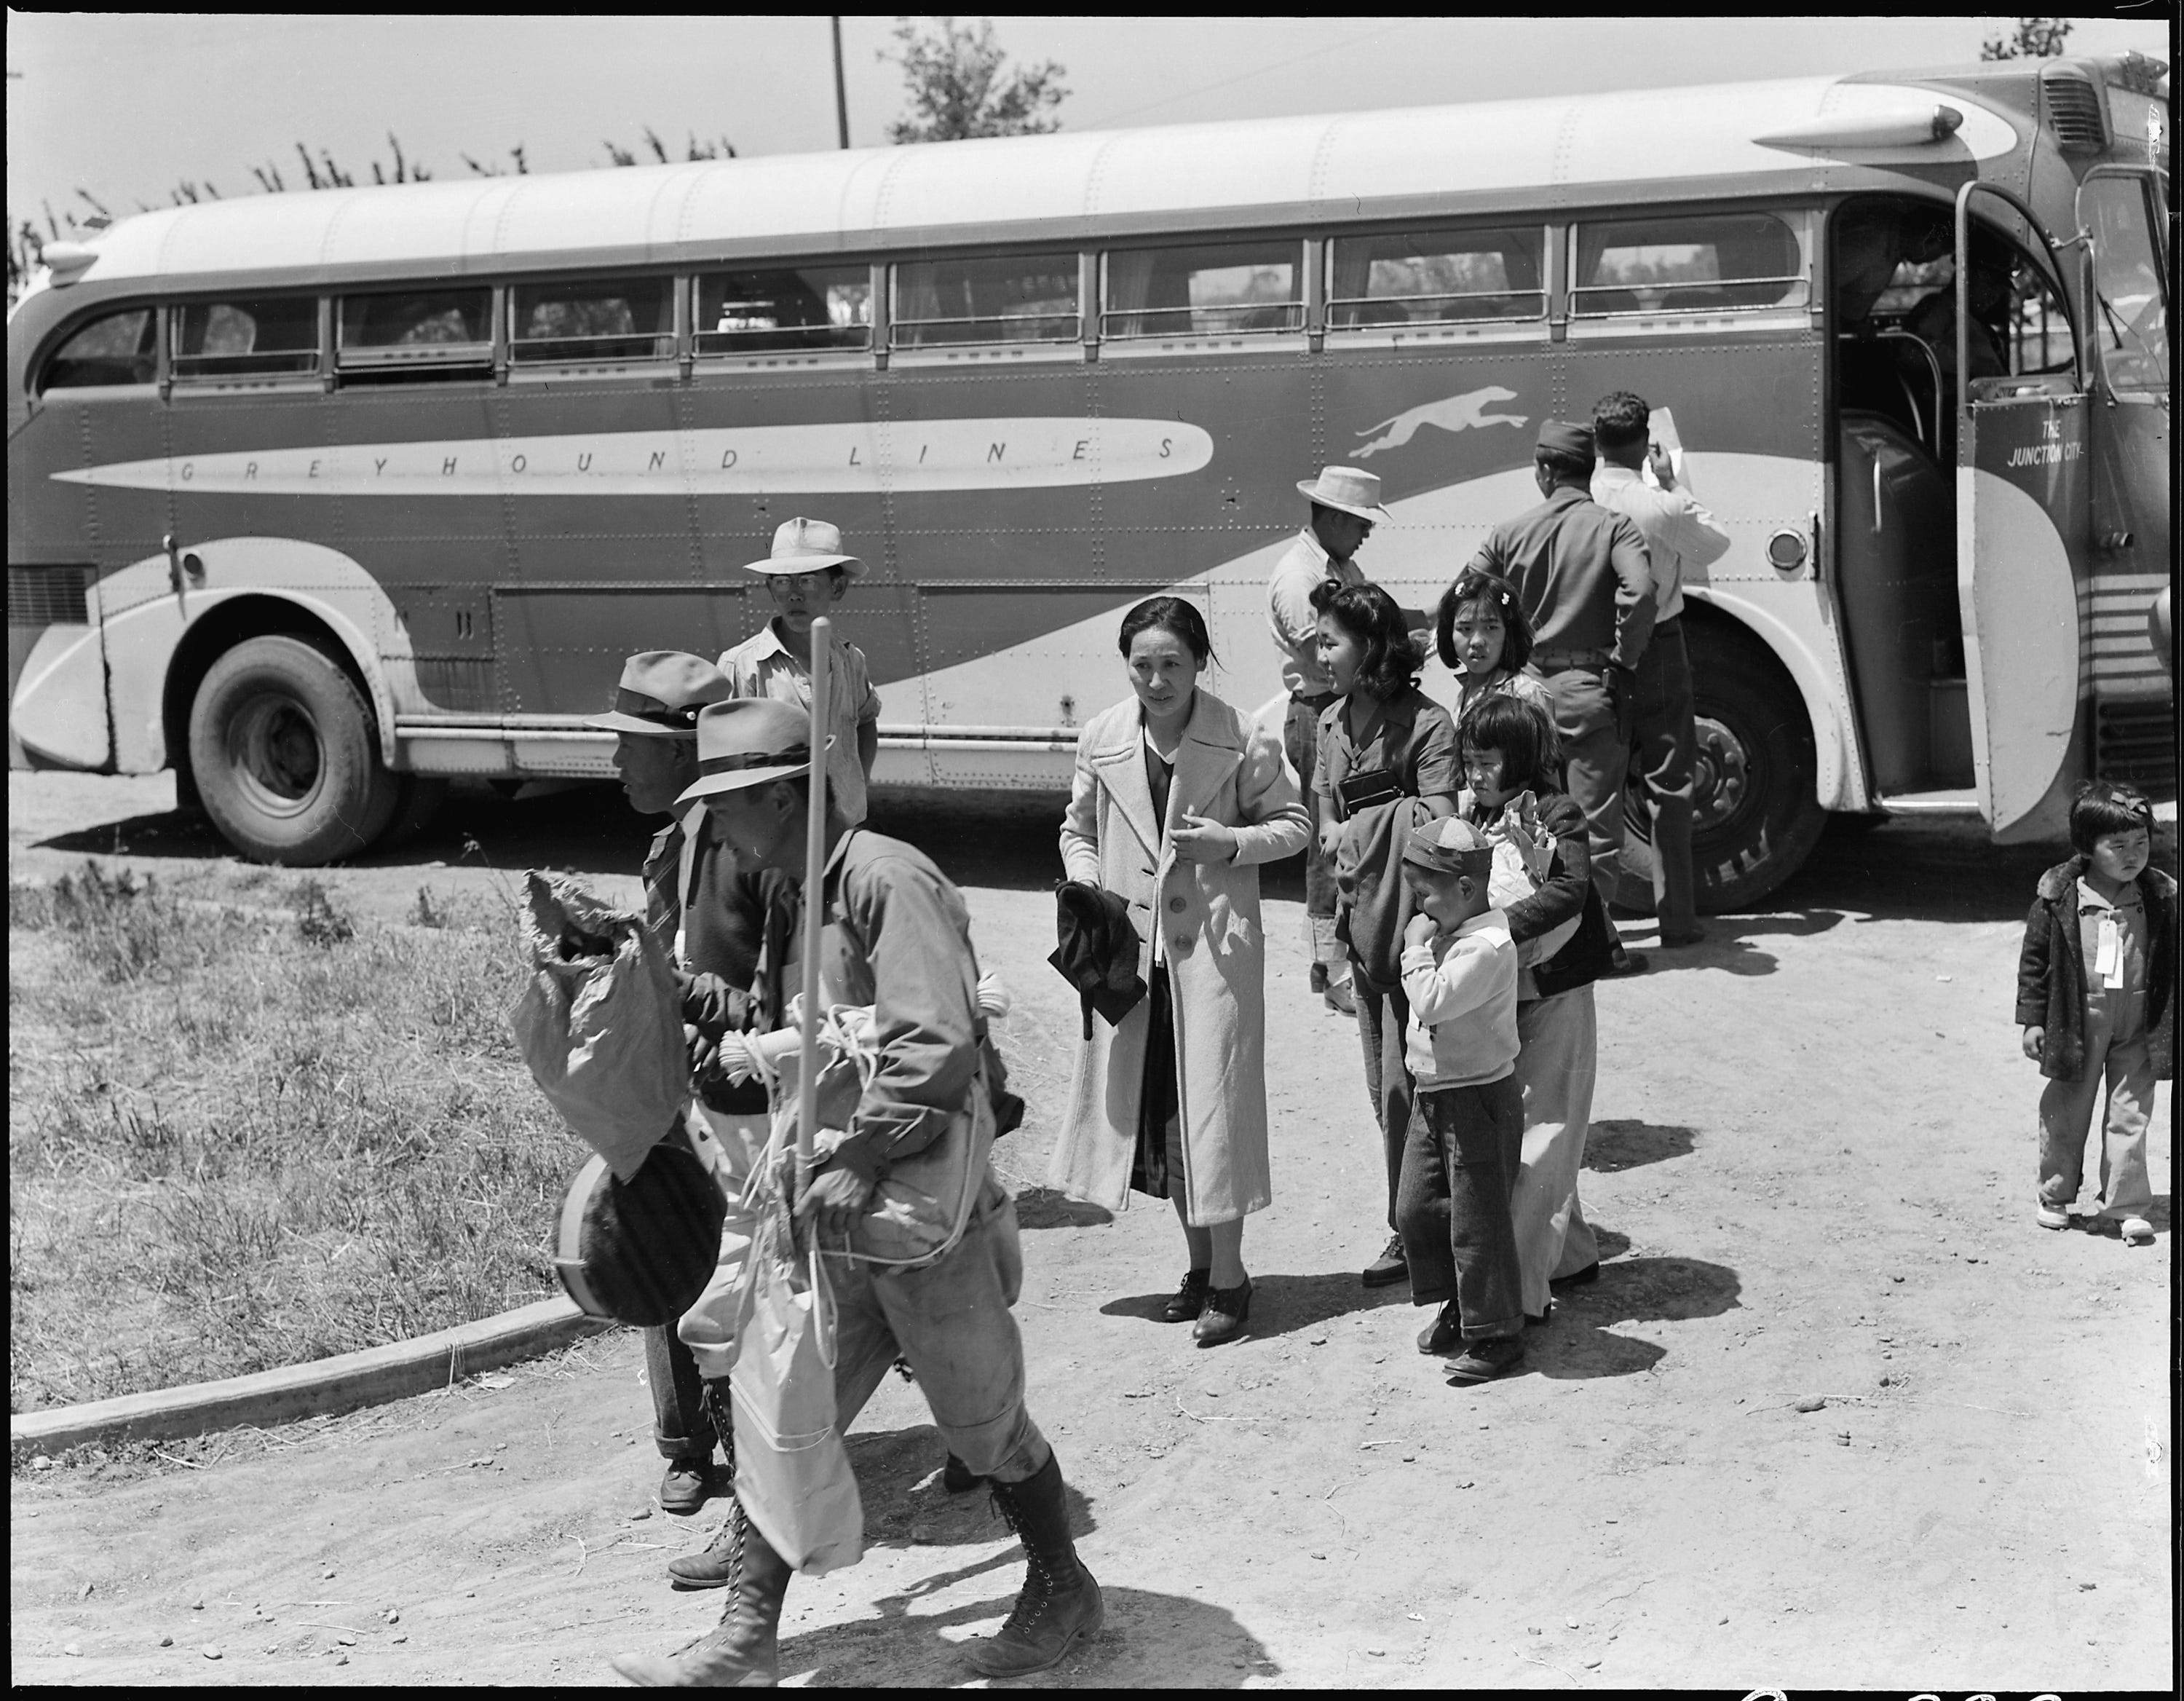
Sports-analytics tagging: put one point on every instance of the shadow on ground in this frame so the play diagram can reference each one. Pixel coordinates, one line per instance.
(1579, 1344)
(1626, 1145)
(1042, 1207)
(1281, 1304)
(1148, 1641)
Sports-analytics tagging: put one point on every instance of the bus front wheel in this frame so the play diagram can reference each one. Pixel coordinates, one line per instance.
(283, 750)
(1754, 816)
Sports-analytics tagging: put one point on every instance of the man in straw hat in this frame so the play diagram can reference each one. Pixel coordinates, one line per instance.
(1345, 505)
(1587, 586)
(655, 721)
(895, 935)
(806, 573)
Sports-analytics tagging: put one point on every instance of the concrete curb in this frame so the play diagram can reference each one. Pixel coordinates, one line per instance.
(339, 1384)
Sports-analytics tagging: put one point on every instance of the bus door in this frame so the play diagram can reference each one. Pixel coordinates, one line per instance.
(2023, 548)
(2126, 340)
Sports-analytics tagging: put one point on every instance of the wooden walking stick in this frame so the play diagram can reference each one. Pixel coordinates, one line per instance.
(815, 859)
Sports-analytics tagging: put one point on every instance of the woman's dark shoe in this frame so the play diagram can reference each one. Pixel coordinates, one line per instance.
(959, 1478)
(1228, 1309)
(1392, 1266)
(1444, 1335)
(1584, 1278)
(1189, 1300)
(1482, 1360)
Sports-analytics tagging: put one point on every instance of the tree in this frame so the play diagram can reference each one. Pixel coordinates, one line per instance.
(960, 85)
(2034, 38)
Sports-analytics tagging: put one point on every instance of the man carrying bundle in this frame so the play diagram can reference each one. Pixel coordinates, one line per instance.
(894, 934)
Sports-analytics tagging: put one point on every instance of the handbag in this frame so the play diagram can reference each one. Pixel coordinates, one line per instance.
(1362, 790)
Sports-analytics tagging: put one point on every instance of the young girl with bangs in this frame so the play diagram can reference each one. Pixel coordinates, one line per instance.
(1510, 749)
(1485, 640)
(1387, 759)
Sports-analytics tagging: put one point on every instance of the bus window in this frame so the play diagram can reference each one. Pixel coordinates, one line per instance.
(220, 339)
(604, 319)
(2130, 323)
(1700, 263)
(986, 298)
(117, 349)
(1211, 289)
(427, 332)
(1434, 277)
(2035, 323)
(806, 307)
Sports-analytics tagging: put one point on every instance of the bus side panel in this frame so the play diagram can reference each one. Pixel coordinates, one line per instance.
(436, 557)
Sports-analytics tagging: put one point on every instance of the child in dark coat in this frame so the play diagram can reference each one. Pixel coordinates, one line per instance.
(2097, 997)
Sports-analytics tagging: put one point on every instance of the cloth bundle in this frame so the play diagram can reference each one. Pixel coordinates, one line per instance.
(1524, 854)
(600, 1023)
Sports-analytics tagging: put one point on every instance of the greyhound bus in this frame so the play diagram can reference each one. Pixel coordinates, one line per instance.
(320, 499)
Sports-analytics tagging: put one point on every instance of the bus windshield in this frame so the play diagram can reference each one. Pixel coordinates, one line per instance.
(2130, 321)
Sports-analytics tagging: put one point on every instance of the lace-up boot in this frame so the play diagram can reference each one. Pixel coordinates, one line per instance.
(742, 1652)
(1059, 1604)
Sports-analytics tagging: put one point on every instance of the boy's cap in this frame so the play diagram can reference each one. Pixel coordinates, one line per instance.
(1449, 846)
(806, 546)
(748, 741)
(660, 694)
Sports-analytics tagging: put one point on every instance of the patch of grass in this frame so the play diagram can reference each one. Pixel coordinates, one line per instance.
(236, 1141)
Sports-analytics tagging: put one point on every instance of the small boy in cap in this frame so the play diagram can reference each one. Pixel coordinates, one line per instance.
(1460, 1159)
(806, 574)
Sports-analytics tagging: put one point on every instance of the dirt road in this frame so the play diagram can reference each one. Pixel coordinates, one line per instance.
(1811, 1164)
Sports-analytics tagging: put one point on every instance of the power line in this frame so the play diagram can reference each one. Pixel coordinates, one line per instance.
(1245, 76)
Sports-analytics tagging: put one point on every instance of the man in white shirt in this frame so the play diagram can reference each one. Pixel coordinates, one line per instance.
(1679, 534)
(1345, 504)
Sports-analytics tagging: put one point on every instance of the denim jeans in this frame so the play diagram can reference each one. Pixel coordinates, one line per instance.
(680, 1427)
(1382, 1017)
(1459, 1169)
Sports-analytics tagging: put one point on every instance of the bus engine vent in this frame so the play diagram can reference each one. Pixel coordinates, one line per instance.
(2074, 110)
(2136, 741)
(47, 596)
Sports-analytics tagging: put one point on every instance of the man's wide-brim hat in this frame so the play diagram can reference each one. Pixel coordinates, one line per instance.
(1347, 487)
(640, 1251)
(660, 694)
(806, 546)
(750, 741)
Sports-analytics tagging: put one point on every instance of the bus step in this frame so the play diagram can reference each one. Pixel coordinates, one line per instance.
(1954, 801)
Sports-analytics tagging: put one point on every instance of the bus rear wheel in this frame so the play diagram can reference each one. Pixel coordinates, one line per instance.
(1754, 816)
(283, 750)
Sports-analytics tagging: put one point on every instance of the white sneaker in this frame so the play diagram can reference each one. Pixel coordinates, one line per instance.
(2053, 1216)
(2137, 1228)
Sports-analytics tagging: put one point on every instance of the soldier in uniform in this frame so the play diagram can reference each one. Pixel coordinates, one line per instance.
(894, 934)
(1587, 584)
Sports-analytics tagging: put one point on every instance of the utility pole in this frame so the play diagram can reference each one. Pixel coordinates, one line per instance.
(841, 90)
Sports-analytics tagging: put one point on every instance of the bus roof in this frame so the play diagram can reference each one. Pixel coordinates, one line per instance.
(1700, 142)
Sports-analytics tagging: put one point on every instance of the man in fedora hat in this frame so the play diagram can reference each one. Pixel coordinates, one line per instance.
(1587, 586)
(893, 933)
(655, 721)
(1345, 505)
(806, 573)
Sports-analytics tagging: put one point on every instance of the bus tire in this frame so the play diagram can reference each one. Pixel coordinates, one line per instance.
(1756, 818)
(417, 803)
(282, 749)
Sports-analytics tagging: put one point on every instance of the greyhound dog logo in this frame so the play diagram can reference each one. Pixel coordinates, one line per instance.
(1457, 413)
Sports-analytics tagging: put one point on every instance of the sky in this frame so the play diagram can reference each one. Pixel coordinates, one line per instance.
(128, 106)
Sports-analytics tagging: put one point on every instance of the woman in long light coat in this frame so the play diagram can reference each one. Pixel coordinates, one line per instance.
(1176, 801)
